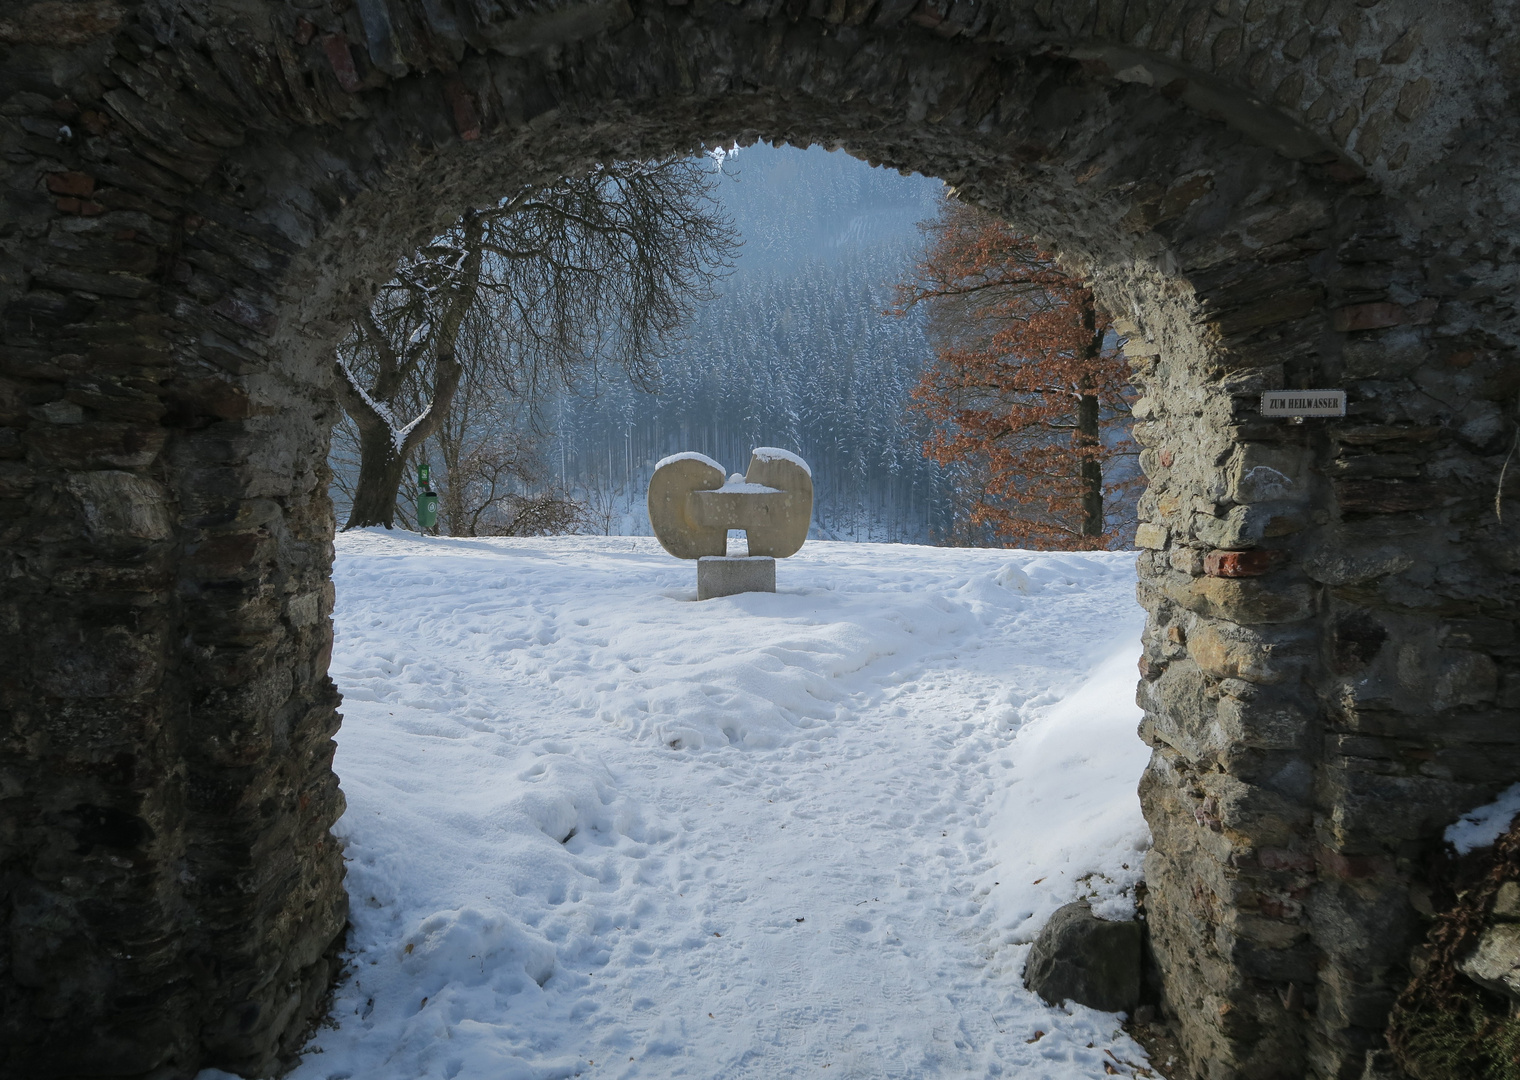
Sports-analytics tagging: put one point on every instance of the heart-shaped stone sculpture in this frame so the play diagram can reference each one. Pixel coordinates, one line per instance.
(692, 507)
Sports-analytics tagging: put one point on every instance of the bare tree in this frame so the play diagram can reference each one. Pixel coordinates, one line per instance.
(490, 446)
(495, 489)
(407, 337)
(600, 508)
(593, 270)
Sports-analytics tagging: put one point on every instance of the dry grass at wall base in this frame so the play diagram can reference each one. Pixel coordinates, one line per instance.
(1444, 1026)
(1466, 1035)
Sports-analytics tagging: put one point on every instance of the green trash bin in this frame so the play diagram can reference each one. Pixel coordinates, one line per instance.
(427, 500)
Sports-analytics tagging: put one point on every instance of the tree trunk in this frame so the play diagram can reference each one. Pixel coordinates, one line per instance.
(380, 474)
(381, 461)
(450, 437)
(1089, 436)
(1092, 466)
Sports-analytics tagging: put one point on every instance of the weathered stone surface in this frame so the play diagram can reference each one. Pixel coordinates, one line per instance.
(692, 508)
(121, 504)
(1495, 961)
(728, 575)
(783, 529)
(1240, 564)
(1245, 601)
(1506, 906)
(673, 513)
(61, 22)
(1150, 535)
(1080, 957)
(1260, 209)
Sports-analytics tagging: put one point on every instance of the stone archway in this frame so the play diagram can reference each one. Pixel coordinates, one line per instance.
(1271, 195)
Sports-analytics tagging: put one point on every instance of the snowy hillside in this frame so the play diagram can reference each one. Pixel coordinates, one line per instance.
(595, 828)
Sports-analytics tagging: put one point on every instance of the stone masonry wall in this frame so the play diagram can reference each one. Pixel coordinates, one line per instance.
(197, 192)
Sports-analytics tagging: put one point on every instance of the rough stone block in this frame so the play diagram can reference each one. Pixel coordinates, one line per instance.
(1182, 710)
(1150, 535)
(1228, 652)
(119, 504)
(1381, 314)
(1186, 560)
(1241, 564)
(1252, 812)
(1507, 902)
(1261, 472)
(1263, 725)
(1245, 601)
(723, 575)
(1080, 957)
(1374, 496)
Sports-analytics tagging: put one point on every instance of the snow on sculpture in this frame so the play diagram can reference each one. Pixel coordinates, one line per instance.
(692, 508)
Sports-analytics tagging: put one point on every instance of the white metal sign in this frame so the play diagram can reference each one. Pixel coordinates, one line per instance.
(1303, 403)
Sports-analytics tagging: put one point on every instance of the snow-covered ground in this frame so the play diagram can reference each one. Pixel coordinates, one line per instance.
(596, 828)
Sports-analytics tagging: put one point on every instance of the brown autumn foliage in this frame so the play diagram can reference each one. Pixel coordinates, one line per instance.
(1028, 395)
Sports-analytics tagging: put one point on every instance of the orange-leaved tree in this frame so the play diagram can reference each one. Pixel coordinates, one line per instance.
(1028, 393)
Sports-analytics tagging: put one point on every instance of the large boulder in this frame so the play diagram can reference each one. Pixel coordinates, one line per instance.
(1080, 957)
(1495, 962)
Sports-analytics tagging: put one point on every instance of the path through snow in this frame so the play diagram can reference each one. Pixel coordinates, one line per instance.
(595, 828)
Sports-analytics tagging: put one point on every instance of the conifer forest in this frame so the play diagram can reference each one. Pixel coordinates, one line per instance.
(795, 350)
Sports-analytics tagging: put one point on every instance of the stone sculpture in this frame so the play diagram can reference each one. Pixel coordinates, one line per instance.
(692, 508)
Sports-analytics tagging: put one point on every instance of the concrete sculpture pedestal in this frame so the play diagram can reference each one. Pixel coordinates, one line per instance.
(724, 575)
(692, 508)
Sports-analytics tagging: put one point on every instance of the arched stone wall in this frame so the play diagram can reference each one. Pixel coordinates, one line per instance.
(1268, 195)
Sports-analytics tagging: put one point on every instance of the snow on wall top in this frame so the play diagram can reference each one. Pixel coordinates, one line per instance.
(775, 453)
(688, 455)
(1481, 827)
